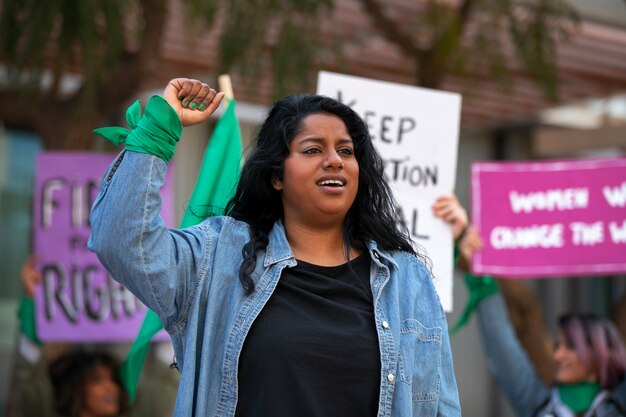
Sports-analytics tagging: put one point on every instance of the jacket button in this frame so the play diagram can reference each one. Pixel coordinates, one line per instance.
(385, 324)
(391, 377)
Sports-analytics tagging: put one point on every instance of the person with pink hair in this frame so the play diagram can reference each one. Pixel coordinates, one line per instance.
(589, 362)
(589, 357)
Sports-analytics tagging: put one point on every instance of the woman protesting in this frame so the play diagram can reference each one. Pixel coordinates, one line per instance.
(307, 298)
(588, 359)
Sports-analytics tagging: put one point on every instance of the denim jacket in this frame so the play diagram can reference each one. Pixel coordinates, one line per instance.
(527, 394)
(189, 277)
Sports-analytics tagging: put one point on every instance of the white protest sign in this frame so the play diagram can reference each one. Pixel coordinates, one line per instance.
(416, 130)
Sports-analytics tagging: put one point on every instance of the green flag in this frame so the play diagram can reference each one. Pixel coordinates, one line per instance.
(215, 185)
(219, 171)
(131, 367)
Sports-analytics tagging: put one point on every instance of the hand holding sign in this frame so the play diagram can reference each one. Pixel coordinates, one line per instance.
(30, 276)
(448, 208)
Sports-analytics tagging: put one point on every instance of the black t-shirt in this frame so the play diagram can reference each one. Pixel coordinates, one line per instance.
(313, 350)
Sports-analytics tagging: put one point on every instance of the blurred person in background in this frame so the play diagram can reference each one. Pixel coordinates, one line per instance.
(588, 358)
(79, 380)
(78, 383)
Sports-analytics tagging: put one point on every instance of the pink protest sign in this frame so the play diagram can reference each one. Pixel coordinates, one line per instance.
(77, 300)
(543, 219)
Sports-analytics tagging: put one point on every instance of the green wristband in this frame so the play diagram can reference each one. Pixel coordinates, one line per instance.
(479, 288)
(26, 314)
(155, 133)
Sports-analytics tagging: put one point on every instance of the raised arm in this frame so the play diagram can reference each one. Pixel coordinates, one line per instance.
(507, 359)
(33, 389)
(159, 265)
(528, 321)
(524, 311)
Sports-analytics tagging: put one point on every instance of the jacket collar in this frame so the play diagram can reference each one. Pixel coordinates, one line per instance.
(278, 249)
(380, 256)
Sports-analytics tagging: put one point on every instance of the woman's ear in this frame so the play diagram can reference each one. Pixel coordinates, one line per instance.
(277, 183)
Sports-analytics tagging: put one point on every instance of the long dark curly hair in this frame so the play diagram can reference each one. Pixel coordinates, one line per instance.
(373, 215)
(71, 372)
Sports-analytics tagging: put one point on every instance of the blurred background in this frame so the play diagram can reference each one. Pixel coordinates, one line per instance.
(540, 79)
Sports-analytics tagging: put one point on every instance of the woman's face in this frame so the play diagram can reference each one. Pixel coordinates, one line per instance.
(321, 174)
(102, 394)
(569, 368)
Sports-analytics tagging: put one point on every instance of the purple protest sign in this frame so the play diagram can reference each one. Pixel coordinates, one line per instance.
(77, 300)
(558, 218)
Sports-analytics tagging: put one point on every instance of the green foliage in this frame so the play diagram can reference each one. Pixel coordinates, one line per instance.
(201, 10)
(64, 35)
(290, 59)
(287, 30)
(89, 37)
(92, 36)
(495, 32)
(535, 35)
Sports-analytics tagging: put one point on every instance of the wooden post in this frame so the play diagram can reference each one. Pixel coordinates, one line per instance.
(226, 86)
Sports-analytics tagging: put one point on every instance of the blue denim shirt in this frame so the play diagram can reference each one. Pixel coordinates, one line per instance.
(189, 277)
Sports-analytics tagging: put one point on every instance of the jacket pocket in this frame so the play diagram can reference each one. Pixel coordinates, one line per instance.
(420, 359)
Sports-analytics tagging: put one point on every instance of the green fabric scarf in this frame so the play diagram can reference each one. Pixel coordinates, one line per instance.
(26, 314)
(578, 397)
(155, 133)
(479, 289)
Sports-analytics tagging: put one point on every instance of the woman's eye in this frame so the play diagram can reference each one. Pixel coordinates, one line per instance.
(346, 151)
(311, 150)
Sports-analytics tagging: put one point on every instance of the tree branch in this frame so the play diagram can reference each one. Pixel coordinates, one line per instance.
(124, 80)
(433, 61)
(465, 12)
(64, 122)
(390, 29)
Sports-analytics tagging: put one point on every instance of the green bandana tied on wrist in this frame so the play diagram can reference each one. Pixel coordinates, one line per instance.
(579, 397)
(479, 288)
(156, 133)
(26, 314)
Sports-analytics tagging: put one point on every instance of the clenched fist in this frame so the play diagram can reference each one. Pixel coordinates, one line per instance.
(193, 100)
